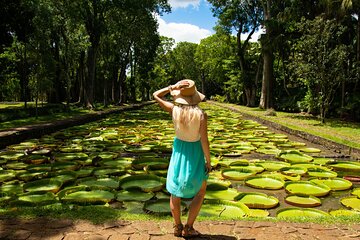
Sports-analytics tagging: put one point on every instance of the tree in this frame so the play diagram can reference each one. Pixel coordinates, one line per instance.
(243, 17)
(210, 56)
(321, 59)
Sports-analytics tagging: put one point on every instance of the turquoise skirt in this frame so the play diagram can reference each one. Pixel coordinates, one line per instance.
(187, 169)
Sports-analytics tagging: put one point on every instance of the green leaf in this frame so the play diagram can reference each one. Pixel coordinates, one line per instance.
(257, 200)
(336, 184)
(300, 212)
(307, 188)
(134, 196)
(302, 200)
(262, 182)
(352, 202)
(145, 182)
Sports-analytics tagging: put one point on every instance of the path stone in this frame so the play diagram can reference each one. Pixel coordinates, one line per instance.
(20, 234)
(128, 229)
(74, 236)
(165, 237)
(96, 237)
(139, 236)
(119, 237)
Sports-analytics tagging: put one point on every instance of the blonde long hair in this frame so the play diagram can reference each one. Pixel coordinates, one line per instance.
(184, 115)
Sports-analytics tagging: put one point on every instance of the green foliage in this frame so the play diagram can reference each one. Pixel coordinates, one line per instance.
(320, 61)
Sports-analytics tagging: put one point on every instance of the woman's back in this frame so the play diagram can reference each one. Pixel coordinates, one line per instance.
(187, 122)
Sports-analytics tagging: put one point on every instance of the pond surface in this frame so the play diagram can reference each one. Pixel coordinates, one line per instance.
(95, 163)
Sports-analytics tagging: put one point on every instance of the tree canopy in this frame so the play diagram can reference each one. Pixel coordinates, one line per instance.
(110, 52)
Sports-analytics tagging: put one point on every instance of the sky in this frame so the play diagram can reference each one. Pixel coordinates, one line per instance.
(189, 20)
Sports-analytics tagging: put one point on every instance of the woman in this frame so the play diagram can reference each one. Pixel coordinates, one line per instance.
(188, 171)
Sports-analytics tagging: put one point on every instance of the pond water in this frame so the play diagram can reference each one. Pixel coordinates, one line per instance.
(93, 164)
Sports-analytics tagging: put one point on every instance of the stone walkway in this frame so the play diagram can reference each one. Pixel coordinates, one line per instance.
(50, 229)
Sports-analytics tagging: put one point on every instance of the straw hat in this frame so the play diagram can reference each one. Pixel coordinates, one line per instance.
(187, 95)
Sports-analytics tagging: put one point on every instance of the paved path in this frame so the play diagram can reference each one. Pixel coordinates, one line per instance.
(50, 229)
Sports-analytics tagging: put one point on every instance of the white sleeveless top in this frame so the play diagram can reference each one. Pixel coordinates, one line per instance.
(190, 133)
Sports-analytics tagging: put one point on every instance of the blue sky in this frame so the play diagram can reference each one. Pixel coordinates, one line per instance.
(197, 13)
(190, 20)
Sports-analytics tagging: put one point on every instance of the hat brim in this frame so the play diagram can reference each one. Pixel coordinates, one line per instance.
(187, 100)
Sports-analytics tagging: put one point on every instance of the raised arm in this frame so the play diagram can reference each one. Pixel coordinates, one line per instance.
(205, 141)
(158, 96)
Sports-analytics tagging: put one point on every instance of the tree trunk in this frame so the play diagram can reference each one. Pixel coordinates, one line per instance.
(250, 94)
(358, 48)
(122, 84)
(202, 75)
(266, 99)
(24, 78)
(89, 88)
(81, 78)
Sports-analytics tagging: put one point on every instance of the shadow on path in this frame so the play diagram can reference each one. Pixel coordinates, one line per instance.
(37, 228)
(213, 237)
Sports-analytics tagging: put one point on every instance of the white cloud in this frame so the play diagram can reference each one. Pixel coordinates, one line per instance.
(184, 3)
(255, 36)
(182, 32)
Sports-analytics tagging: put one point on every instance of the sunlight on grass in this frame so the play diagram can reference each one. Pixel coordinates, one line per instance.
(346, 133)
(100, 214)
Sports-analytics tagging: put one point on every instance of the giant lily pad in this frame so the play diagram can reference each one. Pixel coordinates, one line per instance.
(272, 165)
(7, 175)
(294, 156)
(352, 202)
(237, 173)
(64, 157)
(257, 200)
(103, 183)
(334, 183)
(11, 155)
(228, 194)
(310, 150)
(215, 184)
(35, 199)
(146, 182)
(159, 206)
(356, 192)
(138, 149)
(300, 212)
(15, 165)
(134, 196)
(293, 171)
(108, 171)
(64, 166)
(345, 166)
(226, 209)
(155, 163)
(321, 173)
(50, 185)
(12, 188)
(302, 200)
(93, 197)
(36, 159)
(344, 212)
(262, 182)
(65, 177)
(307, 188)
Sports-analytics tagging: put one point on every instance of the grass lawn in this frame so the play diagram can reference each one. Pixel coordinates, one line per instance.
(347, 133)
(74, 111)
(100, 214)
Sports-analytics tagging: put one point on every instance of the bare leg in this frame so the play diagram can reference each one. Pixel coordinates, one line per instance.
(196, 205)
(175, 209)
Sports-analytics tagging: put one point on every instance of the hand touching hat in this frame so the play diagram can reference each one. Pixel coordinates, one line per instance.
(187, 93)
